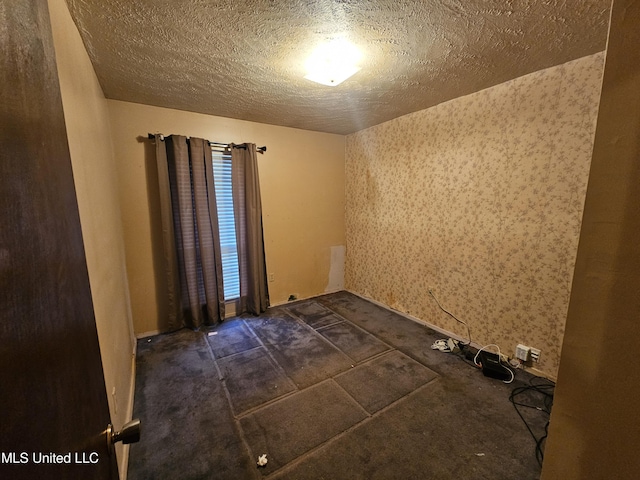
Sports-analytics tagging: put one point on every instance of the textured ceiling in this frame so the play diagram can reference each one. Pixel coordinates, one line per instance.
(245, 59)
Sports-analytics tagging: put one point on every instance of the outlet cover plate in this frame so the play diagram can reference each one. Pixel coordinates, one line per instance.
(535, 354)
(522, 352)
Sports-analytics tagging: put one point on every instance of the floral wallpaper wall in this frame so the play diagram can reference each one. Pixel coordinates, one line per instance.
(479, 199)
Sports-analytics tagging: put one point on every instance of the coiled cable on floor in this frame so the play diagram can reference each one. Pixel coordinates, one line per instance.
(546, 390)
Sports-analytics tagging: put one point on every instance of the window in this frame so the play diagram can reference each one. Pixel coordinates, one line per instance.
(226, 223)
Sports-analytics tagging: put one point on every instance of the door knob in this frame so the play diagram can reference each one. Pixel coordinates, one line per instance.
(130, 433)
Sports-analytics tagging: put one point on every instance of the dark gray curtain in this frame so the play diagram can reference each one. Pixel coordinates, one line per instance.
(168, 238)
(190, 231)
(254, 297)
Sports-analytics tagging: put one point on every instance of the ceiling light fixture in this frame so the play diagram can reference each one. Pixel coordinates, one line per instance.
(332, 63)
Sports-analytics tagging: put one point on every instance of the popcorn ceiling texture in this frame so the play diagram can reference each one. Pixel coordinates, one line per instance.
(245, 59)
(481, 199)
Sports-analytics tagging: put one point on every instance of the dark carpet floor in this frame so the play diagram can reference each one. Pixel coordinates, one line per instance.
(333, 387)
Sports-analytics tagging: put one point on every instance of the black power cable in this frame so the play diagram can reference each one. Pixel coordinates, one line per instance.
(545, 390)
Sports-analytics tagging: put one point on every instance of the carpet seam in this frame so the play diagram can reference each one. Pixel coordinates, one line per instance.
(299, 317)
(344, 320)
(412, 344)
(283, 397)
(241, 351)
(237, 425)
(273, 359)
(324, 327)
(231, 355)
(309, 327)
(367, 414)
(362, 329)
(400, 349)
(237, 413)
(399, 398)
(299, 321)
(367, 360)
(295, 462)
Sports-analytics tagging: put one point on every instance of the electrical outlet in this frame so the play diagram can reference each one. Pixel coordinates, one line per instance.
(522, 352)
(535, 354)
(272, 277)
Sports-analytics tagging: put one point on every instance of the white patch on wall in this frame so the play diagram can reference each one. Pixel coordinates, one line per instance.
(336, 271)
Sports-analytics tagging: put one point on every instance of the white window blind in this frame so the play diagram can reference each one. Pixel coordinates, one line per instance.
(226, 223)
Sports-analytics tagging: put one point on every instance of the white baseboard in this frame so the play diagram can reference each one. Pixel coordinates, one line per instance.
(286, 302)
(123, 463)
(540, 373)
(152, 333)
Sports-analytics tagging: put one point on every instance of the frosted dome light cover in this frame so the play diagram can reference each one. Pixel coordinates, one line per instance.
(332, 63)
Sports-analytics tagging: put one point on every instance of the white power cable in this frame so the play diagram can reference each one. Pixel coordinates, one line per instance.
(452, 316)
(475, 361)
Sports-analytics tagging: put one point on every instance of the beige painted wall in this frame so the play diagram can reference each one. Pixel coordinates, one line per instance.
(480, 199)
(594, 431)
(302, 184)
(89, 136)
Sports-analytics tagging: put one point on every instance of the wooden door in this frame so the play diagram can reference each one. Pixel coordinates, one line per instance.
(53, 403)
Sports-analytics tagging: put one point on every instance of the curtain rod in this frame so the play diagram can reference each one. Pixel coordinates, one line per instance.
(263, 149)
